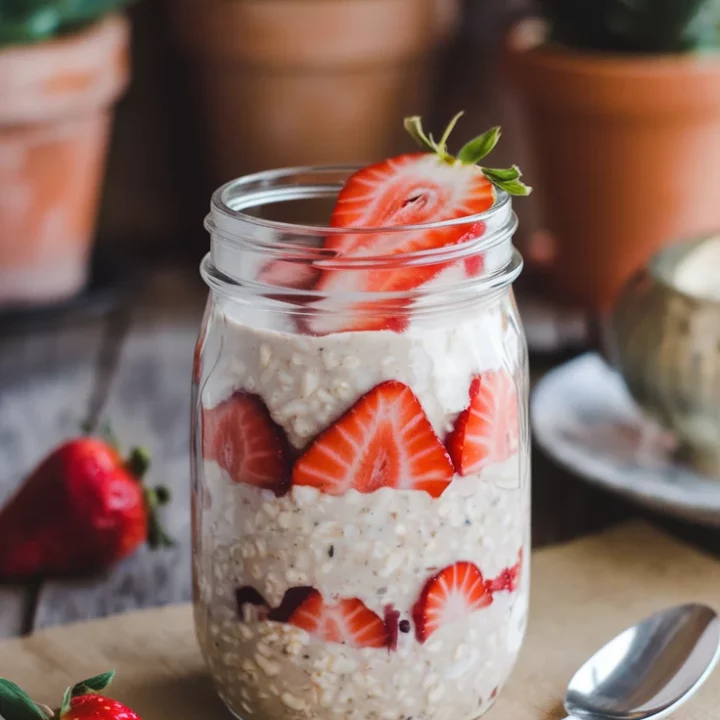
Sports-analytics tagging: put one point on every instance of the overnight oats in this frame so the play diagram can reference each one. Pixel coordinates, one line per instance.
(361, 487)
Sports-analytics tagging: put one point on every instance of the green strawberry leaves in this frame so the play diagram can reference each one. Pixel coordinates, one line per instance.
(95, 684)
(139, 462)
(507, 179)
(156, 536)
(477, 149)
(414, 127)
(15, 703)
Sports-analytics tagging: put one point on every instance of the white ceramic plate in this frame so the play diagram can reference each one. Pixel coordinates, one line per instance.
(583, 417)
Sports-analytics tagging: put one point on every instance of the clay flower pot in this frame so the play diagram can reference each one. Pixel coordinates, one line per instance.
(298, 82)
(55, 109)
(627, 157)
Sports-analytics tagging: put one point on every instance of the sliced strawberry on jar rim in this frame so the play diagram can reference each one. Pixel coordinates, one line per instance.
(241, 437)
(384, 440)
(453, 594)
(487, 431)
(414, 189)
(346, 621)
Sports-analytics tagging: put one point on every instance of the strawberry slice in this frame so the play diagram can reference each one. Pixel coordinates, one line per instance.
(413, 189)
(409, 190)
(508, 579)
(487, 430)
(346, 621)
(474, 264)
(241, 437)
(384, 440)
(286, 274)
(451, 595)
(392, 625)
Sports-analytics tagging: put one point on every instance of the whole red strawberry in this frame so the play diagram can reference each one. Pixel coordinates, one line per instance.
(80, 702)
(81, 509)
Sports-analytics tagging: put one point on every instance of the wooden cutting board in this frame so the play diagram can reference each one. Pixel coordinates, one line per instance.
(582, 595)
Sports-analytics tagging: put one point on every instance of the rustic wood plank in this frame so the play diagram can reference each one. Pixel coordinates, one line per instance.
(47, 381)
(148, 404)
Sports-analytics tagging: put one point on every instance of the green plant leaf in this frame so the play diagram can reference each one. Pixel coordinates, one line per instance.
(480, 147)
(34, 27)
(16, 704)
(31, 21)
(634, 26)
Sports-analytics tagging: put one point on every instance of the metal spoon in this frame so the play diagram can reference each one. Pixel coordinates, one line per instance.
(649, 670)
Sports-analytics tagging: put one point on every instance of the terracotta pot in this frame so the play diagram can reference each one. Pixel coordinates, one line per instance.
(627, 157)
(55, 101)
(296, 82)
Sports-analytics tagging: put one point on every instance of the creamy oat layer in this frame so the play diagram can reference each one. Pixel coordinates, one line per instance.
(380, 547)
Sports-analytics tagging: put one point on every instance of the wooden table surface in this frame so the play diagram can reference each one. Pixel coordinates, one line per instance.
(132, 368)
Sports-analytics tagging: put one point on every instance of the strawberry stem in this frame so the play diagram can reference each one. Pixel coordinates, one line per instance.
(138, 464)
(413, 125)
(448, 130)
(477, 149)
(156, 535)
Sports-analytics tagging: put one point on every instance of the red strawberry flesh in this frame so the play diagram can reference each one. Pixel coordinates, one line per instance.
(487, 430)
(243, 439)
(509, 579)
(98, 707)
(392, 622)
(408, 190)
(287, 274)
(384, 440)
(346, 621)
(451, 595)
(415, 189)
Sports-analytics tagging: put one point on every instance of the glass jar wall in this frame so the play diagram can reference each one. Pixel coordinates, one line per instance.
(360, 460)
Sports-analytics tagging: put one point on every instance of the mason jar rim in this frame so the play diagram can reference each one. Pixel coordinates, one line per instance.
(231, 199)
(242, 243)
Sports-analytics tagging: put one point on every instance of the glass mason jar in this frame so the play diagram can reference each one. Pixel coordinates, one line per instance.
(361, 481)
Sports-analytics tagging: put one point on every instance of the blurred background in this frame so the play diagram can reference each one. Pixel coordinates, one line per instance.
(219, 89)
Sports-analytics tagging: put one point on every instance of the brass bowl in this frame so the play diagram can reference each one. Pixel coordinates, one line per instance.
(666, 344)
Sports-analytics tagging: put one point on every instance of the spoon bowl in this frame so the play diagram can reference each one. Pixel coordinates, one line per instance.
(648, 670)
